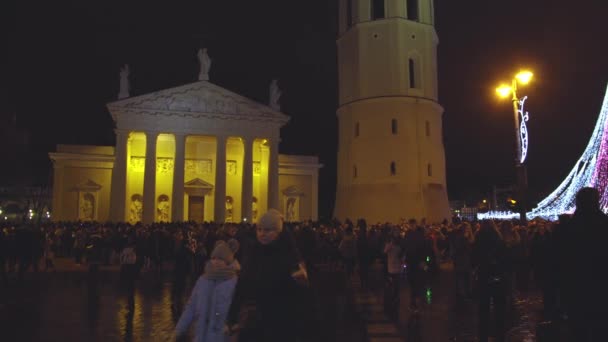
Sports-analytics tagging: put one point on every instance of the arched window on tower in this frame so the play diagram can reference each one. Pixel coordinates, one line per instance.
(377, 9)
(412, 72)
(354, 171)
(356, 129)
(394, 126)
(429, 169)
(412, 10)
(349, 13)
(393, 169)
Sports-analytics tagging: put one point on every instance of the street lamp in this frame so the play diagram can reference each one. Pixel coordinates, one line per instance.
(521, 134)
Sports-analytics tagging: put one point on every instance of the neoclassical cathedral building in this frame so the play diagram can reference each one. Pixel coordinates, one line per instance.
(196, 152)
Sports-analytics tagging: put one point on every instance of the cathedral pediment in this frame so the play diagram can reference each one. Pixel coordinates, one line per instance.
(293, 191)
(88, 185)
(199, 99)
(198, 183)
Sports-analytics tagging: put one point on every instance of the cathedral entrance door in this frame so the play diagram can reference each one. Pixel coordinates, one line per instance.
(196, 208)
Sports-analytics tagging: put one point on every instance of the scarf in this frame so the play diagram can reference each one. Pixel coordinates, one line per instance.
(217, 272)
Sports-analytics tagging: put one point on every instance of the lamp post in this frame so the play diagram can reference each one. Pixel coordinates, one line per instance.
(520, 116)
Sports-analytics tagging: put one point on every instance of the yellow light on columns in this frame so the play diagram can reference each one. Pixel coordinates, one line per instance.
(524, 76)
(503, 91)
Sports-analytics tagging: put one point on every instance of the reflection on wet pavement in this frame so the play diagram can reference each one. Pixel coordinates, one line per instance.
(71, 307)
(442, 317)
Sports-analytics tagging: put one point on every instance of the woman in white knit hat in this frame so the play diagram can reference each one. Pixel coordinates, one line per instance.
(211, 297)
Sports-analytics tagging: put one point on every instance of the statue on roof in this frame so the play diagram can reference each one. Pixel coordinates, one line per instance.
(124, 82)
(205, 64)
(275, 96)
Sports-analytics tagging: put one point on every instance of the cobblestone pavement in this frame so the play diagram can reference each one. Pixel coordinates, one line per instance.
(442, 317)
(65, 306)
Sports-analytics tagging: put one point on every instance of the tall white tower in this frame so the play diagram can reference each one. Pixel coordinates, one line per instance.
(391, 161)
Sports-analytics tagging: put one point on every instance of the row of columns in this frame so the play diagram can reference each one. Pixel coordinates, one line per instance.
(119, 178)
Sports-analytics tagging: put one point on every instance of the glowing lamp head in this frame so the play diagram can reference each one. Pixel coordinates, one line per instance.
(524, 77)
(503, 91)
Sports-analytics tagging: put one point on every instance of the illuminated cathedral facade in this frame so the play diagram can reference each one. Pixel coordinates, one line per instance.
(196, 152)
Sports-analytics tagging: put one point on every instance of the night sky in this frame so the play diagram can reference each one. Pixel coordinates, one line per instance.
(62, 61)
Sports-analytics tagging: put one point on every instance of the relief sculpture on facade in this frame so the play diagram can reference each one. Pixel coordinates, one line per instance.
(199, 166)
(87, 207)
(231, 167)
(164, 208)
(229, 204)
(136, 208)
(164, 165)
(137, 164)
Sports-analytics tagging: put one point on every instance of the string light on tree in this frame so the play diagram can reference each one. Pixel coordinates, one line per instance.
(591, 170)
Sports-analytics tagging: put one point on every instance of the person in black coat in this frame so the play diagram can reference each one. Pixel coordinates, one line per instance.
(490, 258)
(581, 245)
(265, 306)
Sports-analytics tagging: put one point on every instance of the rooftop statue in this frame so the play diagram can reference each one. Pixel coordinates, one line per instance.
(124, 82)
(205, 64)
(275, 96)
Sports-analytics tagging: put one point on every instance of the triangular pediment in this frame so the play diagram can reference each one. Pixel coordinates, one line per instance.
(87, 185)
(198, 183)
(293, 191)
(198, 99)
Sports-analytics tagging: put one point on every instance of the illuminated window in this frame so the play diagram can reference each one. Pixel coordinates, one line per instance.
(393, 168)
(356, 129)
(429, 169)
(349, 13)
(428, 129)
(412, 9)
(377, 9)
(355, 171)
(394, 126)
(412, 72)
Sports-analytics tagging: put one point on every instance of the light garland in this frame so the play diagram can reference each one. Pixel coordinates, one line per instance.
(523, 129)
(591, 170)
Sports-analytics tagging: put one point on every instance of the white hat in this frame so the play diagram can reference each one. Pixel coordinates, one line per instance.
(272, 219)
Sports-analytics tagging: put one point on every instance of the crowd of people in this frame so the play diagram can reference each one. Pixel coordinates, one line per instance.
(250, 279)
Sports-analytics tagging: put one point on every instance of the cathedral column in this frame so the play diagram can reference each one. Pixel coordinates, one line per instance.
(177, 211)
(273, 174)
(314, 215)
(119, 177)
(220, 180)
(247, 189)
(149, 209)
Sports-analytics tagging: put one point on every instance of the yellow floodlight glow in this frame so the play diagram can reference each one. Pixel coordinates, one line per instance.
(524, 76)
(503, 90)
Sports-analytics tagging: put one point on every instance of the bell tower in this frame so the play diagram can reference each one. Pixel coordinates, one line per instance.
(391, 160)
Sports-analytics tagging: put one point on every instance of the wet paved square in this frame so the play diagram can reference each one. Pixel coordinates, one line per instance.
(66, 306)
